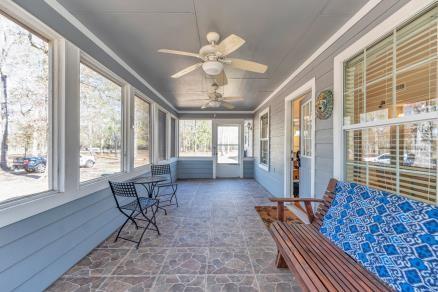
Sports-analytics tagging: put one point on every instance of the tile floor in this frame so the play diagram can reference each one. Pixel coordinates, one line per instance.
(215, 241)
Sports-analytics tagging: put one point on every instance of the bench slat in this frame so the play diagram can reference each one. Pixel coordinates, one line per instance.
(315, 263)
(357, 273)
(316, 260)
(294, 260)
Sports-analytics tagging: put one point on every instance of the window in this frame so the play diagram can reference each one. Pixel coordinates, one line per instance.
(390, 105)
(247, 138)
(264, 139)
(100, 125)
(306, 129)
(172, 137)
(162, 134)
(142, 153)
(195, 138)
(25, 156)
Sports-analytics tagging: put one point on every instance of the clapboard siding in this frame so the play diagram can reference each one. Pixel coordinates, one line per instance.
(33, 259)
(248, 168)
(195, 169)
(322, 69)
(34, 252)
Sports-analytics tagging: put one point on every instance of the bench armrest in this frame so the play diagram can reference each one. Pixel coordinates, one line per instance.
(307, 205)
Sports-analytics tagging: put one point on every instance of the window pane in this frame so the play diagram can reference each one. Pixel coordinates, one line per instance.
(264, 124)
(100, 125)
(162, 134)
(418, 148)
(195, 138)
(417, 66)
(228, 144)
(141, 132)
(307, 129)
(372, 158)
(24, 111)
(353, 90)
(248, 138)
(264, 152)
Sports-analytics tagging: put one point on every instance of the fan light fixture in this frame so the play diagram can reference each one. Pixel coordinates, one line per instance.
(212, 67)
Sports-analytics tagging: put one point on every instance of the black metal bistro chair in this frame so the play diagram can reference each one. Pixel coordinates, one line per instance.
(133, 207)
(166, 189)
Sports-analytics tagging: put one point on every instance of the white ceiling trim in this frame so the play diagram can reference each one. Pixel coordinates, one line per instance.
(82, 28)
(349, 24)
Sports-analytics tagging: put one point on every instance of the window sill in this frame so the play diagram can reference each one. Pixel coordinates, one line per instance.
(20, 209)
(195, 158)
(264, 167)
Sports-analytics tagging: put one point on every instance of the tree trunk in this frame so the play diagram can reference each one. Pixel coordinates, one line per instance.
(5, 114)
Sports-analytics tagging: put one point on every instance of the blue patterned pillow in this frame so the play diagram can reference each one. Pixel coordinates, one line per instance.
(392, 236)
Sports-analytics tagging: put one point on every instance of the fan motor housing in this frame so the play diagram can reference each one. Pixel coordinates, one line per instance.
(212, 67)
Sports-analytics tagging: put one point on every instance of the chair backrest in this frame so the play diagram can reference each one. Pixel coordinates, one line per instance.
(163, 169)
(123, 189)
(392, 236)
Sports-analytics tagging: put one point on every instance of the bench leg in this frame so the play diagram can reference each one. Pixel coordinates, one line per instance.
(280, 262)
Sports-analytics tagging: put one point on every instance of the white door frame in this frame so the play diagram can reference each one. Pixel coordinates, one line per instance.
(309, 86)
(225, 122)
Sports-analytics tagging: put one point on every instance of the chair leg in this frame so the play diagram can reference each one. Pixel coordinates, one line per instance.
(130, 218)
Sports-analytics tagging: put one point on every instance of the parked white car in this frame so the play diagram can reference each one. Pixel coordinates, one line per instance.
(87, 159)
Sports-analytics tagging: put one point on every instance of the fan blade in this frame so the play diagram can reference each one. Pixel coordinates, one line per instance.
(186, 70)
(196, 99)
(230, 44)
(174, 52)
(212, 95)
(232, 98)
(221, 79)
(205, 105)
(227, 105)
(248, 65)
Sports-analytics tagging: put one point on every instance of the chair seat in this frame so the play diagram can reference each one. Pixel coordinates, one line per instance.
(166, 184)
(144, 202)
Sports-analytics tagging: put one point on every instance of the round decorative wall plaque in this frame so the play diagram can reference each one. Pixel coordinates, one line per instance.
(324, 104)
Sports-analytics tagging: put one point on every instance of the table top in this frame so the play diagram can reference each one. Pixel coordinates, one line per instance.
(150, 179)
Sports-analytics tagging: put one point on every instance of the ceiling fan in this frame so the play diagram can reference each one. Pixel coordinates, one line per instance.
(214, 57)
(216, 99)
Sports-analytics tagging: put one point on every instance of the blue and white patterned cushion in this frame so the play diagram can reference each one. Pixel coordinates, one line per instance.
(392, 236)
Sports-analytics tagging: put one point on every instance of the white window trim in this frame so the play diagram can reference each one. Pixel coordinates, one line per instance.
(175, 136)
(138, 94)
(404, 14)
(196, 157)
(262, 113)
(310, 101)
(157, 108)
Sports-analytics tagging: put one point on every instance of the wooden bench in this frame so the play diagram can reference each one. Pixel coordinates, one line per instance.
(317, 263)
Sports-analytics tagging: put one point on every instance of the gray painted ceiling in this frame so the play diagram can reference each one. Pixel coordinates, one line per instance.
(278, 33)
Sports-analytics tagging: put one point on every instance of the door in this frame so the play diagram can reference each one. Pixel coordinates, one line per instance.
(227, 147)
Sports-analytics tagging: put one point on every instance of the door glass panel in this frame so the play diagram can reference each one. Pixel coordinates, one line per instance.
(228, 144)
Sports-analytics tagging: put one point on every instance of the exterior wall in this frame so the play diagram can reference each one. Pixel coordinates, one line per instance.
(36, 251)
(202, 168)
(322, 69)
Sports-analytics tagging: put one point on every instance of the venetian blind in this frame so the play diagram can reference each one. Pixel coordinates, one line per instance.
(388, 90)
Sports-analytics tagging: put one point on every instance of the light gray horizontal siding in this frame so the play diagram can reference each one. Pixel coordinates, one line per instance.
(193, 168)
(36, 251)
(322, 69)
